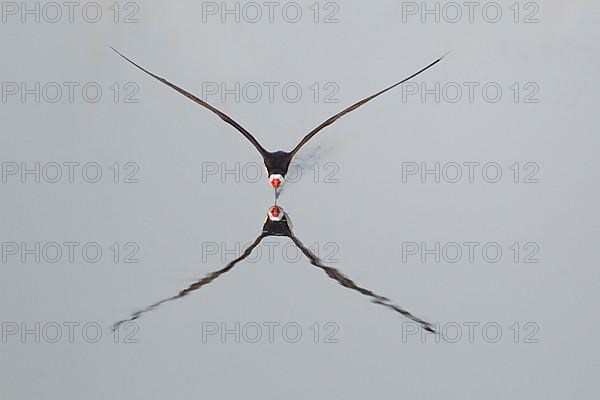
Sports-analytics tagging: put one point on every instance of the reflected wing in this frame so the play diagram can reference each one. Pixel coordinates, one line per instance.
(349, 283)
(190, 96)
(353, 107)
(194, 286)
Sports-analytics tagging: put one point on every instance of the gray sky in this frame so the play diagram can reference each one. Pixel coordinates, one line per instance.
(513, 97)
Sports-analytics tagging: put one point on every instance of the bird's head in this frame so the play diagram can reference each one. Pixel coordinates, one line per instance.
(276, 213)
(276, 180)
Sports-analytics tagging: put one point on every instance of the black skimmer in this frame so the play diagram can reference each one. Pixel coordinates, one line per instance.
(277, 162)
(278, 223)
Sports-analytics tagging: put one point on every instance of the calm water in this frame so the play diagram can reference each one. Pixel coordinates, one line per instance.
(466, 197)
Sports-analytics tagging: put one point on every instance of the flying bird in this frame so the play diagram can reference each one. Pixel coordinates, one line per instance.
(278, 223)
(277, 162)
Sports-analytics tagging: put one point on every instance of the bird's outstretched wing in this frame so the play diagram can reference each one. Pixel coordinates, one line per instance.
(349, 283)
(353, 107)
(190, 96)
(194, 286)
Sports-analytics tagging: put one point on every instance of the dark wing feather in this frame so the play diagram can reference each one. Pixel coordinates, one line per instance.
(349, 283)
(190, 96)
(194, 286)
(353, 107)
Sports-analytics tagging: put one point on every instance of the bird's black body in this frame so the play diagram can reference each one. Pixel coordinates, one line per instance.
(277, 228)
(277, 162)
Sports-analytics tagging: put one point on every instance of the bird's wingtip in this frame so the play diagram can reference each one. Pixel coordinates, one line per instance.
(116, 51)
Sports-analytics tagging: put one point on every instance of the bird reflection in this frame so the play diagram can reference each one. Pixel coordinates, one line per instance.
(278, 223)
